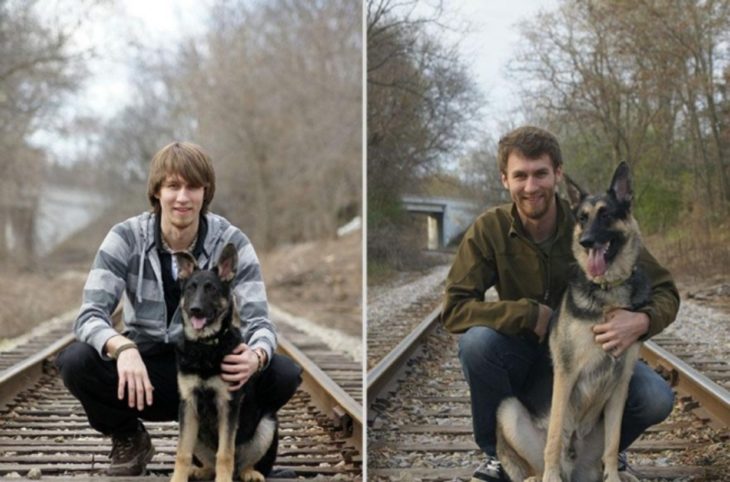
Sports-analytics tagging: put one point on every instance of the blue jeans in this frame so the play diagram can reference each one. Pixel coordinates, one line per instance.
(497, 366)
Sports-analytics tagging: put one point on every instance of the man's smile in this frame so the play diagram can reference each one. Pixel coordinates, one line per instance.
(534, 198)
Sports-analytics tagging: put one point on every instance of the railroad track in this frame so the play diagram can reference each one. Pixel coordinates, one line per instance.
(43, 428)
(385, 332)
(715, 366)
(419, 418)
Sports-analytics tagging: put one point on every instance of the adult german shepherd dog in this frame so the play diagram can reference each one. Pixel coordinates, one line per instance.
(582, 426)
(209, 413)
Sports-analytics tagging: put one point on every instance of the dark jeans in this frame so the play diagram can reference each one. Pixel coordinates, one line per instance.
(94, 382)
(497, 366)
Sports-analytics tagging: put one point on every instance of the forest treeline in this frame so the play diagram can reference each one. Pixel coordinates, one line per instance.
(420, 103)
(645, 81)
(271, 90)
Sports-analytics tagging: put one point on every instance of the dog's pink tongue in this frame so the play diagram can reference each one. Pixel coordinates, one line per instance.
(596, 262)
(198, 323)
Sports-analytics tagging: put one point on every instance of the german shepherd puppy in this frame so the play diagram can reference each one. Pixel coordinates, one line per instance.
(209, 413)
(581, 427)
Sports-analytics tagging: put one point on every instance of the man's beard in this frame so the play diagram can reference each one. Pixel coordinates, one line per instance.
(532, 210)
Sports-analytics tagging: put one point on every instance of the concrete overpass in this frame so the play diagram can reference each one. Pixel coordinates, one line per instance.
(446, 217)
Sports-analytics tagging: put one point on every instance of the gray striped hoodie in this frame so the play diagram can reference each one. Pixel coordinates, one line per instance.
(128, 261)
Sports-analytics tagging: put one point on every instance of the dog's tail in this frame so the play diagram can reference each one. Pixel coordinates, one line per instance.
(520, 443)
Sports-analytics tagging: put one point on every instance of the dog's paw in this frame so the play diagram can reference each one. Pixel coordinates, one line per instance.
(177, 476)
(551, 476)
(249, 474)
(532, 479)
(619, 477)
(202, 473)
(224, 470)
(222, 477)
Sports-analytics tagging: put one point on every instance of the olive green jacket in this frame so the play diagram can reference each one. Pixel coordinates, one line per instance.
(496, 251)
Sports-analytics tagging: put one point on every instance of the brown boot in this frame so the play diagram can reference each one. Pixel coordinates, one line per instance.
(130, 453)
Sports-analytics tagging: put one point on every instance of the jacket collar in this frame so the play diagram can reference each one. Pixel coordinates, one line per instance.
(200, 243)
(147, 231)
(215, 225)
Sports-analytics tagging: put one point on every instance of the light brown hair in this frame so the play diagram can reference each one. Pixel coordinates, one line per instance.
(186, 160)
(532, 142)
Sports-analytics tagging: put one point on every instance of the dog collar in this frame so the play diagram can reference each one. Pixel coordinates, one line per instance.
(214, 339)
(606, 285)
(211, 340)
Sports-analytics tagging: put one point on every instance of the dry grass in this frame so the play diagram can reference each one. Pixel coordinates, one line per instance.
(319, 280)
(696, 251)
(27, 299)
(53, 285)
(397, 249)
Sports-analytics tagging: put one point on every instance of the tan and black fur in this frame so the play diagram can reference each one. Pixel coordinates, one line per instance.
(576, 438)
(209, 413)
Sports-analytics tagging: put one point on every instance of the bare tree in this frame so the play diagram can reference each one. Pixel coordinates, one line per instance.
(696, 31)
(39, 66)
(420, 103)
(635, 81)
(273, 92)
(479, 174)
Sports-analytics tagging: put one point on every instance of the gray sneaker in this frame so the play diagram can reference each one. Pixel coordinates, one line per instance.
(627, 473)
(130, 453)
(491, 470)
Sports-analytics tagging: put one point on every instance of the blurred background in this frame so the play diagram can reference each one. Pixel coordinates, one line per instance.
(90, 90)
(647, 82)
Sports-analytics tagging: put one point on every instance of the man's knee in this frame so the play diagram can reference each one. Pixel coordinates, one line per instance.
(75, 363)
(477, 343)
(282, 380)
(480, 344)
(288, 372)
(657, 404)
(650, 399)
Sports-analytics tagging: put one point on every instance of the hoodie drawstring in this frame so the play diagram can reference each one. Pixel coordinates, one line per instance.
(140, 271)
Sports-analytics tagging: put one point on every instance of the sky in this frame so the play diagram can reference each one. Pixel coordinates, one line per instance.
(487, 39)
(154, 22)
(495, 36)
(109, 32)
(490, 38)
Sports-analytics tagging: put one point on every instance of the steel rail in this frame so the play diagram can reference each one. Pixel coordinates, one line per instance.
(19, 376)
(713, 398)
(384, 373)
(327, 395)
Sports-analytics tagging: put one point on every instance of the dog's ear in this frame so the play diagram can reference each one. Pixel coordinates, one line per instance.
(576, 194)
(186, 264)
(621, 184)
(227, 263)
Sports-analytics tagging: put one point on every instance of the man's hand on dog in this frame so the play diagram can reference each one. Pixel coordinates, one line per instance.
(133, 376)
(620, 330)
(543, 321)
(239, 366)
